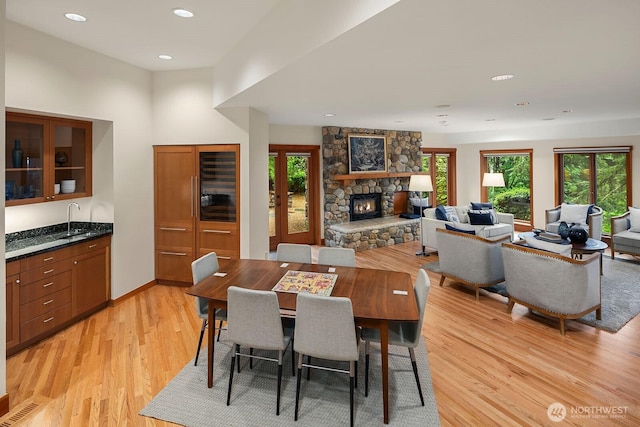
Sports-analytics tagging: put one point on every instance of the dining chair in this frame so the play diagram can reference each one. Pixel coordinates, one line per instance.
(203, 267)
(404, 334)
(342, 257)
(293, 252)
(253, 321)
(325, 329)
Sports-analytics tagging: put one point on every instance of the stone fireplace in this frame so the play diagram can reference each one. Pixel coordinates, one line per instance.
(342, 190)
(365, 206)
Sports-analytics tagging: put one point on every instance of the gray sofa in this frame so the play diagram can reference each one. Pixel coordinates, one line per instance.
(429, 225)
(592, 222)
(622, 239)
(552, 284)
(470, 260)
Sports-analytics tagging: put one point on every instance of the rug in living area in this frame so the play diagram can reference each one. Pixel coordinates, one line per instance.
(324, 399)
(620, 293)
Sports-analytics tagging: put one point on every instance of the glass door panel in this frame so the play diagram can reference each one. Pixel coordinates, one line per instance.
(218, 186)
(297, 193)
(24, 157)
(70, 158)
(272, 194)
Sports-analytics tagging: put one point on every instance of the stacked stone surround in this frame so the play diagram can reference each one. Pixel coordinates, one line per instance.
(403, 156)
(373, 236)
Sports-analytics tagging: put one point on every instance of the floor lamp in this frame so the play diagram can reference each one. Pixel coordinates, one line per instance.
(492, 179)
(421, 183)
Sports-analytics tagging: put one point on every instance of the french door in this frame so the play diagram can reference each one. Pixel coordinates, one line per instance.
(293, 194)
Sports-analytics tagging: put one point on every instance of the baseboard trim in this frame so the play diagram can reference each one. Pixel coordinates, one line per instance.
(4, 405)
(114, 302)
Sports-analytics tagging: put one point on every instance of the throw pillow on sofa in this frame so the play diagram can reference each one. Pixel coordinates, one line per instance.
(574, 214)
(483, 217)
(481, 205)
(441, 213)
(452, 215)
(634, 219)
(460, 230)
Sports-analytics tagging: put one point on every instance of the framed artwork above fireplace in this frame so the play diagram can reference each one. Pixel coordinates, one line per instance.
(367, 153)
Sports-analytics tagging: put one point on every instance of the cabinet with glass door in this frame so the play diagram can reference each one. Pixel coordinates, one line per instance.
(46, 158)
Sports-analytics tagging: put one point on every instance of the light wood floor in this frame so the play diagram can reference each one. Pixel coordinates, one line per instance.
(488, 367)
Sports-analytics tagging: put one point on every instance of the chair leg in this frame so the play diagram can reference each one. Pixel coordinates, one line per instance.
(204, 326)
(300, 356)
(233, 361)
(442, 279)
(412, 355)
(279, 386)
(366, 369)
(356, 374)
(250, 358)
(293, 362)
(351, 384)
(219, 330)
(308, 369)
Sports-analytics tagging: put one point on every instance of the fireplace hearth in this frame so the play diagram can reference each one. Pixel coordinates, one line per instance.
(365, 206)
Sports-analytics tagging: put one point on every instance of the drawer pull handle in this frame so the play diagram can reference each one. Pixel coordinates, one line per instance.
(224, 257)
(93, 246)
(174, 253)
(47, 285)
(49, 271)
(172, 229)
(47, 302)
(48, 259)
(18, 281)
(217, 231)
(47, 320)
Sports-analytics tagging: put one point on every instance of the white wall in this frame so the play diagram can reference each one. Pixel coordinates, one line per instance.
(49, 76)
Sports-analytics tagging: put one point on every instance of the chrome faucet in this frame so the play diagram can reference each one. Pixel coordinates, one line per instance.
(69, 216)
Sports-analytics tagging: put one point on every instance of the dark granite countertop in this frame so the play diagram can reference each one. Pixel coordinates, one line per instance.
(26, 243)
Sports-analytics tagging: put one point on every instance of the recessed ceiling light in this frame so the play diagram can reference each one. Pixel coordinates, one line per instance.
(443, 106)
(490, 120)
(549, 118)
(442, 115)
(521, 104)
(183, 13)
(75, 17)
(502, 77)
(330, 114)
(567, 111)
(166, 57)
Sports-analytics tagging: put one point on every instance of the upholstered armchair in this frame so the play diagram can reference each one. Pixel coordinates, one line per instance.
(552, 284)
(624, 237)
(471, 260)
(587, 216)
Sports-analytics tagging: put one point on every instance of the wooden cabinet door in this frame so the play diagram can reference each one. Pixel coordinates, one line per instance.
(13, 305)
(89, 280)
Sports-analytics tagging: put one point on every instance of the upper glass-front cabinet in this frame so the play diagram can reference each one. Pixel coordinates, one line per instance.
(46, 158)
(218, 184)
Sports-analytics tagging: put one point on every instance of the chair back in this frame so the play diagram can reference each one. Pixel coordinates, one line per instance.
(203, 267)
(325, 328)
(292, 252)
(344, 257)
(253, 319)
(421, 290)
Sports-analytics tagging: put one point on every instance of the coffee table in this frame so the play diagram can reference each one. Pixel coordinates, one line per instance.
(578, 249)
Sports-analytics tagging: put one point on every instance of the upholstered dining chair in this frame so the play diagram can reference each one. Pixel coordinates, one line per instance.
(403, 334)
(293, 252)
(325, 329)
(203, 267)
(253, 321)
(341, 257)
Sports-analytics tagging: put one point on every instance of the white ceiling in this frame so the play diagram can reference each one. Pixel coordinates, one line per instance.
(391, 71)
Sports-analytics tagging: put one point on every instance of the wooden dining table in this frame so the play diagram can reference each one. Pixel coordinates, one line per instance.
(377, 297)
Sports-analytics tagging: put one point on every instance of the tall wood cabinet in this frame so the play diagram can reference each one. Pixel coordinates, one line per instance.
(196, 207)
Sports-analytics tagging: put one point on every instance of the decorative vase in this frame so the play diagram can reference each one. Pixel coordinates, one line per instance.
(578, 234)
(16, 154)
(563, 230)
(61, 158)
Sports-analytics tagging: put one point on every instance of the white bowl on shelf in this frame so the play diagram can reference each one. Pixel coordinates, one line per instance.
(67, 186)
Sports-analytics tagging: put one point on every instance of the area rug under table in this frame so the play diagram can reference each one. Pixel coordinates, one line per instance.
(620, 293)
(324, 401)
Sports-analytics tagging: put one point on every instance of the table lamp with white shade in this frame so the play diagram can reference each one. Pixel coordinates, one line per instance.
(421, 183)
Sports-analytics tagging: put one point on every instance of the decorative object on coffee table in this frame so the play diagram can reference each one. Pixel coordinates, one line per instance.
(578, 234)
(563, 230)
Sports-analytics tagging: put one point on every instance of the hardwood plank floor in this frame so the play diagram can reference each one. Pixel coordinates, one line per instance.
(488, 367)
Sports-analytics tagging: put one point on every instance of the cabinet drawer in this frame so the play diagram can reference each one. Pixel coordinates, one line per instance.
(43, 305)
(174, 266)
(45, 271)
(47, 286)
(219, 237)
(45, 259)
(90, 245)
(45, 322)
(174, 237)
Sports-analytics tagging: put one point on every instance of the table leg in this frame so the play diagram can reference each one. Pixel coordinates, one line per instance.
(384, 350)
(210, 340)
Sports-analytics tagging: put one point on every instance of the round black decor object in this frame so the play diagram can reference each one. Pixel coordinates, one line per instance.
(578, 235)
(563, 230)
